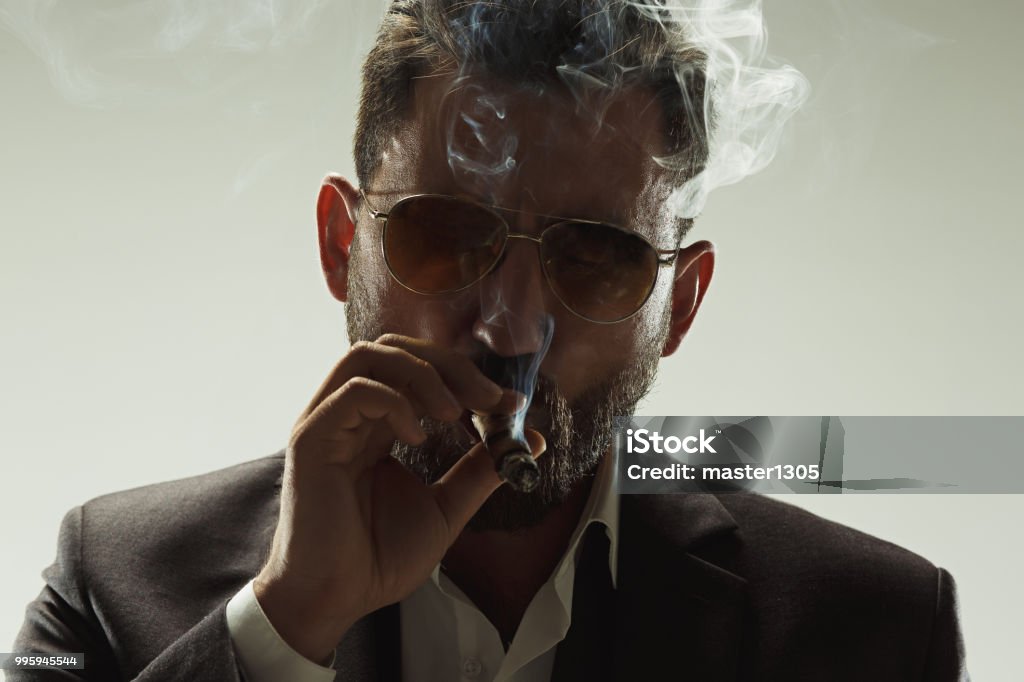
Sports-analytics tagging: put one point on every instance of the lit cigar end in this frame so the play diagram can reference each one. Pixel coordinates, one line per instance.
(512, 457)
(519, 470)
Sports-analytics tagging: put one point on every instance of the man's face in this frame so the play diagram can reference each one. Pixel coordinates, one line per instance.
(537, 153)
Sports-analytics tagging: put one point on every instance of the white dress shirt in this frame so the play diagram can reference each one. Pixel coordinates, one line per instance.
(444, 636)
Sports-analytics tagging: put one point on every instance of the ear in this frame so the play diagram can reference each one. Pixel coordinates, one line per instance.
(694, 266)
(336, 227)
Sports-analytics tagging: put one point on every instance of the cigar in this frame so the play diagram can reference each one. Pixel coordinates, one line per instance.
(512, 457)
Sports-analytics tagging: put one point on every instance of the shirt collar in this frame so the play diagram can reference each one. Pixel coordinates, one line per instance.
(602, 507)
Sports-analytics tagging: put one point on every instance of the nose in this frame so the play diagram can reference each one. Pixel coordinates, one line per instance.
(514, 312)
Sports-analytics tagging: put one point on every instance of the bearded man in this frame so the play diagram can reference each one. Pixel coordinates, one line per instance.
(509, 251)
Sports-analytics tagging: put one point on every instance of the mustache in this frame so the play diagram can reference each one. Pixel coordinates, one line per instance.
(507, 371)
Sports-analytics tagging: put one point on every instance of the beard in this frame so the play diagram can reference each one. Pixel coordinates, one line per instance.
(578, 433)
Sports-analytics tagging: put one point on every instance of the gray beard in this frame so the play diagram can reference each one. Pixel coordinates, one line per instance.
(578, 437)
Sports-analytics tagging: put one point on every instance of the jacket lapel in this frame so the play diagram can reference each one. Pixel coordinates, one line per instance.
(679, 608)
(675, 609)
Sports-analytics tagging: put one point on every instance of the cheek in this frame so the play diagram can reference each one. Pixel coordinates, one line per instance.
(584, 354)
(401, 311)
(652, 319)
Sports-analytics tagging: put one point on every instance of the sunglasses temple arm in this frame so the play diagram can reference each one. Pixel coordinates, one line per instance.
(374, 213)
(667, 256)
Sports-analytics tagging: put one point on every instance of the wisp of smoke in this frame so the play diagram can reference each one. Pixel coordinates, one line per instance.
(101, 54)
(747, 97)
(750, 96)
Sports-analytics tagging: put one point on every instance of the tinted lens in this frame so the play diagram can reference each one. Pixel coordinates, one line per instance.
(435, 245)
(598, 271)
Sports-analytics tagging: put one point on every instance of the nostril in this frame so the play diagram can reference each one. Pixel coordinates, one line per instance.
(505, 370)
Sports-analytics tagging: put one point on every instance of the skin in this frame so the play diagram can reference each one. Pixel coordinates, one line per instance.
(356, 530)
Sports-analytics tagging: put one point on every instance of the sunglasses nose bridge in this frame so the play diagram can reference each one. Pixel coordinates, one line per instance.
(520, 235)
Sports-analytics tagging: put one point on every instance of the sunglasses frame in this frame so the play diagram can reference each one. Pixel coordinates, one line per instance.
(664, 256)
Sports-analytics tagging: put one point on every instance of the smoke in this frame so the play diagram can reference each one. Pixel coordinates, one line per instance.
(104, 55)
(738, 99)
(481, 146)
(863, 60)
(530, 331)
(268, 71)
(751, 96)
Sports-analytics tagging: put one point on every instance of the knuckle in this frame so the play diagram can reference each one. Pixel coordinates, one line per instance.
(297, 443)
(357, 385)
(391, 339)
(360, 348)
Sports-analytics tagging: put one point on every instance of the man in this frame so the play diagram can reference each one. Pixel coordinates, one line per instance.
(511, 250)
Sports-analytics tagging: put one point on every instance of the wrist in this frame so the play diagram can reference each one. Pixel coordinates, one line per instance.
(299, 618)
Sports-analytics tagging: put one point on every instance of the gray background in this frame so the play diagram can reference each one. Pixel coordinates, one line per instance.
(164, 313)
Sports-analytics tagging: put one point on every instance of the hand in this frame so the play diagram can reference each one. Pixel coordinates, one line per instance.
(356, 530)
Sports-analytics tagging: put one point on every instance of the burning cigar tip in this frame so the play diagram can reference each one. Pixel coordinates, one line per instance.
(520, 471)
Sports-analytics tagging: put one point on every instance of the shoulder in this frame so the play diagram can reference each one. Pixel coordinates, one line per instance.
(235, 486)
(787, 555)
(217, 520)
(800, 539)
(155, 560)
(814, 577)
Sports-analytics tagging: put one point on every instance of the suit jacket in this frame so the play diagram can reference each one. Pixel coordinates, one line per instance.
(710, 588)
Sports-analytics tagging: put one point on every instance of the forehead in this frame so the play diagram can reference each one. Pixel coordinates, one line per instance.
(538, 149)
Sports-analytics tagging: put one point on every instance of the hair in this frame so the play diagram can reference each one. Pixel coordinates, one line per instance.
(584, 45)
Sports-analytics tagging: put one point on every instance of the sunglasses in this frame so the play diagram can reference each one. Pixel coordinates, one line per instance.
(436, 244)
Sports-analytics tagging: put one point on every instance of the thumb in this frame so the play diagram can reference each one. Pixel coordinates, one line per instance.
(470, 481)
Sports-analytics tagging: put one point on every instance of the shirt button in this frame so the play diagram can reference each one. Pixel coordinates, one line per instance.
(472, 668)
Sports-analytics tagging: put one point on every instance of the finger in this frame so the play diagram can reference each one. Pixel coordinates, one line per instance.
(392, 359)
(474, 390)
(511, 401)
(537, 442)
(357, 403)
(407, 373)
(470, 481)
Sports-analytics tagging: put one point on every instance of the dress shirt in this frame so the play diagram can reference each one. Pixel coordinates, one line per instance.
(444, 635)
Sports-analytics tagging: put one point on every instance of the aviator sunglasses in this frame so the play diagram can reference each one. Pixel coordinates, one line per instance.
(435, 244)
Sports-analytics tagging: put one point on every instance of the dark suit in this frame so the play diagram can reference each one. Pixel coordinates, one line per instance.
(711, 588)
